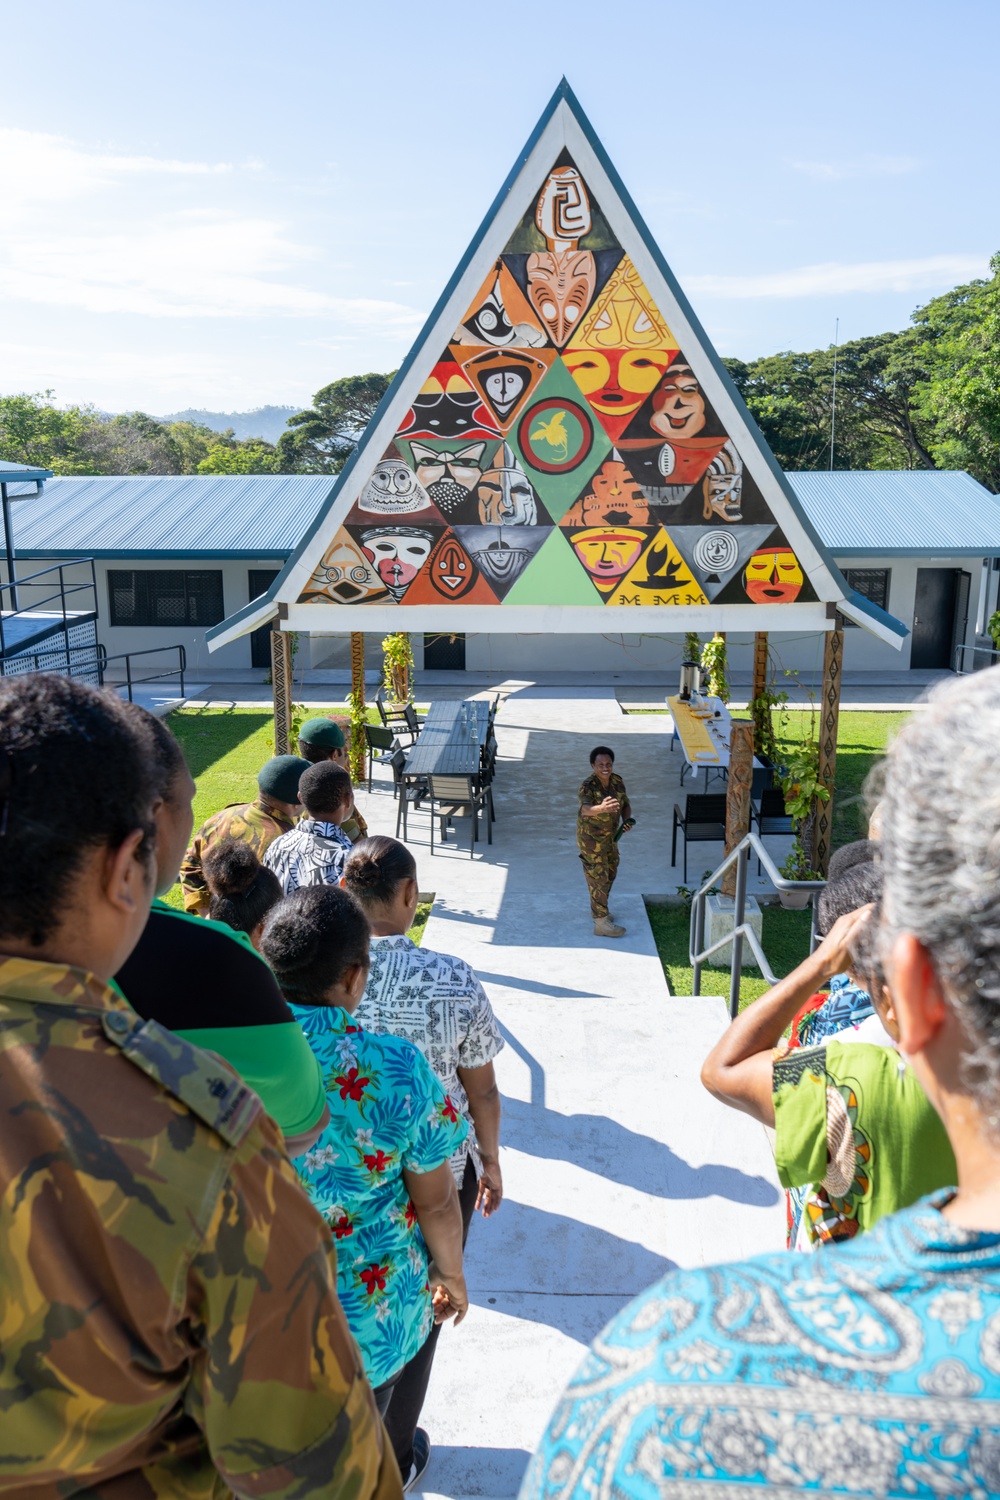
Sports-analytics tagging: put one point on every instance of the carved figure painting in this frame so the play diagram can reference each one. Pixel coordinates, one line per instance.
(502, 552)
(563, 449)
(345, 576)
(450, 575)
(397, 553)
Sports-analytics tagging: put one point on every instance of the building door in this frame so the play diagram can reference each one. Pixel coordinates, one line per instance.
(444, 653)
(260, 640)
(934, 618)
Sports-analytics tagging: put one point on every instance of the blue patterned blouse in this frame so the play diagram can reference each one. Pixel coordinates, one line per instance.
(387, 1112)
(871, 1368)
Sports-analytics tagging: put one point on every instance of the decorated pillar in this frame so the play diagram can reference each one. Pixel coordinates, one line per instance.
(738, 795)
(833, 658)
(759, 664)
(281, 684)
(358, 715)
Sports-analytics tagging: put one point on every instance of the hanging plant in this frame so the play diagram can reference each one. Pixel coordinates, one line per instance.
(398, 667)
(800, 783)
(357, 747)
(715, 661)
(692, 646)
(765, 709)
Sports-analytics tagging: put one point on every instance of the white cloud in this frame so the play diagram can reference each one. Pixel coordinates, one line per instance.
(862, 166)
(838, 278)
(90, 230)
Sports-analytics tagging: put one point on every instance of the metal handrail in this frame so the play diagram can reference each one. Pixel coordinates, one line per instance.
(992, 657)
(741, 928)
(133, 682)
(60, 596)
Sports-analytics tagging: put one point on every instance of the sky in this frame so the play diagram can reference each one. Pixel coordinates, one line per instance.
(226, 205)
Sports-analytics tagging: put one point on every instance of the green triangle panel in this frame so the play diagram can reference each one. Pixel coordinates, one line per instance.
(554, 576)
(558, 440)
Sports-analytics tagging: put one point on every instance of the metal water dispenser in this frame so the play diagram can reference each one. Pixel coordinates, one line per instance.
(690, 680)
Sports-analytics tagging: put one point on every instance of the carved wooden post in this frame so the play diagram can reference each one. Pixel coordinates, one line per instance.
(357, 754)
(738, 796)
(281, 681)
(759, 664)
(833, 657)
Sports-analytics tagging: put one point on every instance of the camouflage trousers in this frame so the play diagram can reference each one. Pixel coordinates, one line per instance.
(599, 857)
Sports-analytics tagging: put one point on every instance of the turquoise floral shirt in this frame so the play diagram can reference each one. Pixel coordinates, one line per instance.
(387, 1112)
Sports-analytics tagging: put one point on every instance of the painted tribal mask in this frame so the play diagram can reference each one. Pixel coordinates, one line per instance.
(773, 576)
(398, 554)
(393, 490)
(506, 497)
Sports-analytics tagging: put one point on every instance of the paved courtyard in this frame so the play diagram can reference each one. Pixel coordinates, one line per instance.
(617, 1165)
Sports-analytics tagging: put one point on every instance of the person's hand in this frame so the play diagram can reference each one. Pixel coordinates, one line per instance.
(610, 804)
(490, 1192)
(834, 952)
(449, 1297)
(628, 825)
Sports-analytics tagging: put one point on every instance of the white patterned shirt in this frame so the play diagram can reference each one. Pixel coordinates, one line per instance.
(311, 853)
(436, 1002)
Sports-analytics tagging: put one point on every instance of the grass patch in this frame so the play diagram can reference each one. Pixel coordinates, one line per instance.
(416, 932)
(785, 941)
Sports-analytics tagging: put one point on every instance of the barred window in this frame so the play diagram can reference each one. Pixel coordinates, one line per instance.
(168, 597)
(870, 583)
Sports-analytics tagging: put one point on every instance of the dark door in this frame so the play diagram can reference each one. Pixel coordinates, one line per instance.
(934, 618)
(444, 653)
(260, 640)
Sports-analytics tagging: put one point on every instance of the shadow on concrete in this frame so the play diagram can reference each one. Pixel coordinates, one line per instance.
(552, 991)
(560, 1260)
(598, 1144)
(474, 1471)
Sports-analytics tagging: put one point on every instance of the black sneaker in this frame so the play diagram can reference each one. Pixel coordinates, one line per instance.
(421, 1458)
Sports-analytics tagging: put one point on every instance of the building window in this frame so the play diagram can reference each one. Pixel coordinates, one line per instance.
(871, 584)
(166, 597)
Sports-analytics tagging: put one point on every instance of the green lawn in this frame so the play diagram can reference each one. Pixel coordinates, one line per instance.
(785, 941)
(862, 739)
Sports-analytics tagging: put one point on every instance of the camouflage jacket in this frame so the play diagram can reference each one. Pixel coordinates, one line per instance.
(255, 823)
(169, 1319)
(601, 827)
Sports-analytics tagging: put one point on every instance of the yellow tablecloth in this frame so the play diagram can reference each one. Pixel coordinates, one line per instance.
(698, 745)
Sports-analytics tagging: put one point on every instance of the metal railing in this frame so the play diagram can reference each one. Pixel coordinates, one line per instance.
(58, 596)
(131, 680)
(982, 656)
(698, 954)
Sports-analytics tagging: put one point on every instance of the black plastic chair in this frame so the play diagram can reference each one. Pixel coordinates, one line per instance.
(411, 791)
(413, 721)
(769, 814)
(394, 716)
(381, 743)
(459, 797)
(703, 821)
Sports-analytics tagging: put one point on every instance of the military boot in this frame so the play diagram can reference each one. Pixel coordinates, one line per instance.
(604, 927)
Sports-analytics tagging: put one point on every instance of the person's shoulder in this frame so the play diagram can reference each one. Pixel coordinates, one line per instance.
(207, 1086)
(197, 927)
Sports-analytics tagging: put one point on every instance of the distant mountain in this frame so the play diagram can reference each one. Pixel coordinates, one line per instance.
(266, 422)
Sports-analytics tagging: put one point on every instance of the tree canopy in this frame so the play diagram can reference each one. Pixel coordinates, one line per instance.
(926, 397)
(322, 439)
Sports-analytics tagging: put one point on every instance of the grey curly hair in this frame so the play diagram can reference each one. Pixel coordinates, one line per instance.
(941, 856)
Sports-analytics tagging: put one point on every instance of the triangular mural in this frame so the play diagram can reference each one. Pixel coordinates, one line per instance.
(561, 435)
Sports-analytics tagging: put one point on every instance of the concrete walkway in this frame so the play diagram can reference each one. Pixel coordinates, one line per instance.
(617, 1165)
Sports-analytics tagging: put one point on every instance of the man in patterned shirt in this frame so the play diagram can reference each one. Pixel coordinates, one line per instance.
(257, 823)
(313, 852)
(171, 1325)
(329, 739)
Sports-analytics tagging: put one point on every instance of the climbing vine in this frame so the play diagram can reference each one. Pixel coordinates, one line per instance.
(398, 666)
(716, 663)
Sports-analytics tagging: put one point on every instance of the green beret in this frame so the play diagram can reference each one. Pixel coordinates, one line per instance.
(322, 732)
(280, 777)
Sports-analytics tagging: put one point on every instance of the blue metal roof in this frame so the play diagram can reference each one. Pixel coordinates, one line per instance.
(11, 472)
(901, 512)
(880, 513)
(195, 516)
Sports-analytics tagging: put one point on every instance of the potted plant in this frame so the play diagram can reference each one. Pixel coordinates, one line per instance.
(800, 783)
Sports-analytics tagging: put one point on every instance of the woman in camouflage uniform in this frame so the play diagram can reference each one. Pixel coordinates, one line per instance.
(604, 805)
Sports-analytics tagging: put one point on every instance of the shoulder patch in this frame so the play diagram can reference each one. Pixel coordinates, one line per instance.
(209, 1088)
